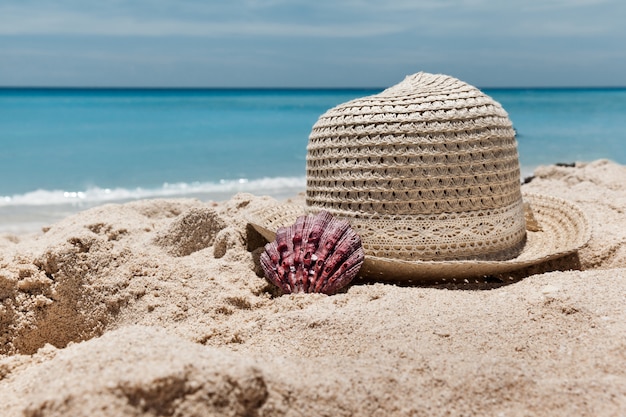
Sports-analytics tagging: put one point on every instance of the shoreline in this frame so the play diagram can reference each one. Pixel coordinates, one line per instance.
(157, 305)
(28, 213)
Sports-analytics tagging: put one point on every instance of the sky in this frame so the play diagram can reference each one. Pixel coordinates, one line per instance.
(311, 43)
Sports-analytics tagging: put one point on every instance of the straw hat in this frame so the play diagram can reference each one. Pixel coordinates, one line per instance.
(427, 173)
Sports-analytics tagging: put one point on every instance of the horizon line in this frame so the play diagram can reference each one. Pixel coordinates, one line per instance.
(229, 88)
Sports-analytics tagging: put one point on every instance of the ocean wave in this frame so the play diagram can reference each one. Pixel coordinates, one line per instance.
(221, 190)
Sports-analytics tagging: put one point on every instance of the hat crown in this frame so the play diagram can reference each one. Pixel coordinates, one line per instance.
(425, 170)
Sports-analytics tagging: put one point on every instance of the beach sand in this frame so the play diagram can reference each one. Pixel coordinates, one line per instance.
(155, 308)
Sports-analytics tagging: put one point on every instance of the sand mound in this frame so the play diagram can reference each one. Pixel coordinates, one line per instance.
(599, 188)
(141, 371)
(155, 308)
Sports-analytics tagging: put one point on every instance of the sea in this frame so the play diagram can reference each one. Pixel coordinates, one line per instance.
(63, 150)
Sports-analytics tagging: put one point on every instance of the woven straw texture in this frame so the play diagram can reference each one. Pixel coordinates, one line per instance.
(425, 170)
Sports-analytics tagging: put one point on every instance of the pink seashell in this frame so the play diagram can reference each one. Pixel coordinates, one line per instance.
(316, 254)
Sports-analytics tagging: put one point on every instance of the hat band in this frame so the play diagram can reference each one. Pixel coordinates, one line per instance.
(489, 234)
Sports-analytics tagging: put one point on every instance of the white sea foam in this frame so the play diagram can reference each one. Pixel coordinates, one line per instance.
(206, 190)
(29, 212)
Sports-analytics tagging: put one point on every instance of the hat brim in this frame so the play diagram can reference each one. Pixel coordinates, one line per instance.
(564, 230)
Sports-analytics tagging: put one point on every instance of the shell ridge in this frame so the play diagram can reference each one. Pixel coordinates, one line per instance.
(346, 272)
(342, 251)
(305, 247)
(333, 232)
(297, 238)
(284, 244)
(270, 262)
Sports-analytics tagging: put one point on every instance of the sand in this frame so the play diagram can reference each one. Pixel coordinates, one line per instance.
(156, 308)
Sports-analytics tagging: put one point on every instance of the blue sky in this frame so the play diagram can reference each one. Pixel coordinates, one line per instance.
(315, 43)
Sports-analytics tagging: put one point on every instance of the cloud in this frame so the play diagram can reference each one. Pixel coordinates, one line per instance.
(69, 24)
(305, 18)
(22, 21)
(305, 42)
(377, 6)
(562, 4)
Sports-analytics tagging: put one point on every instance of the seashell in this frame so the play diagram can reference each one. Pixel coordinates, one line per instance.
(316, 254)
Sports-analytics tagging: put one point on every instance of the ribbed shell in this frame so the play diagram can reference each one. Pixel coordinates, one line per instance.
(316, 254)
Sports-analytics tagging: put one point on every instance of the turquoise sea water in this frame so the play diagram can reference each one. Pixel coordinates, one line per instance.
(63, 150)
